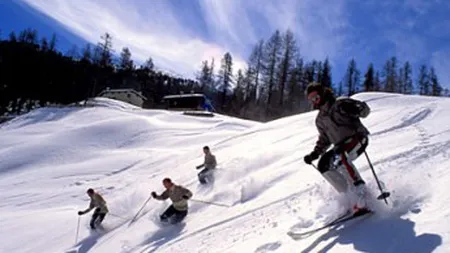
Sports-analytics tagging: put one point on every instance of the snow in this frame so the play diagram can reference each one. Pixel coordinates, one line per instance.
(50, 156)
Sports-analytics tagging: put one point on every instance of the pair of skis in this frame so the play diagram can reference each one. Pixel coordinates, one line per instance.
(345, 217)
(341, 219)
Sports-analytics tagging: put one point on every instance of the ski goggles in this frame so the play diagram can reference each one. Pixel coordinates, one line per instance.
(313, 99)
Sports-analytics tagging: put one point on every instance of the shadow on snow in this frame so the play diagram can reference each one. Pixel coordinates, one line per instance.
(372, 234)
(162, 236)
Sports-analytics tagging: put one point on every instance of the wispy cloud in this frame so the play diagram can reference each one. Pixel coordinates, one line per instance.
(319, 25)
(179, 35)
(155, 29)
(228, 21)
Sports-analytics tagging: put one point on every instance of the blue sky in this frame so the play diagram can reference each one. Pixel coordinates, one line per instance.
(179, 34)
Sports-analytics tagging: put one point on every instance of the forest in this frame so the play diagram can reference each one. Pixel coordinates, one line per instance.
(33, 73)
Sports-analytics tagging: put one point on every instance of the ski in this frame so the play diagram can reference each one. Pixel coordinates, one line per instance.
(337, 221)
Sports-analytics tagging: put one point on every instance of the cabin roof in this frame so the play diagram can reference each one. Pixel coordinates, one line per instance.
(183, 95)
(112, 91)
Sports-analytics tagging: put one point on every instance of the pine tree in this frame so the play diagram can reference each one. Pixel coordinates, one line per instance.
(225, 77)
(436, 88)
(400, 83)
(103, 51)
(326, 74)
(126, 63)
(289, 51)
(254, 72)
(423, 81)
(297, 85)
(149, 64)
(203, 76)
(352, 78)
(369, 81)
(238, 94)
(29, 36)
(310, 71)
(390, 75)
(271, 58)
(377, 82)
(408, 86)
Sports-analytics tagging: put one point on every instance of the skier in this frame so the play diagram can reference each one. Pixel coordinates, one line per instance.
(210, 163)
(99, 204)
(338, 123)
(179, 195)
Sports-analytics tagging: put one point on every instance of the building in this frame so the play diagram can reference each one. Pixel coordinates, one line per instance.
(192, 104)
(193, 101)
(130, 96)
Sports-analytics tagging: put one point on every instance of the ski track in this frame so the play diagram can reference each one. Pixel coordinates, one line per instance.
(50, 156)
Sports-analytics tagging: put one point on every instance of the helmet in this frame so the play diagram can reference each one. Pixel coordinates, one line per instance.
(325, 94)
(314, 87)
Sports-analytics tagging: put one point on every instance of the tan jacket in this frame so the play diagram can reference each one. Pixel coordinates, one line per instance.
(209, 163)
(97, 201)
(339, 121)
(176, 193)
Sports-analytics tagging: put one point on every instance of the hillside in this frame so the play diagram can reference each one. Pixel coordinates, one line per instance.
(50, 156)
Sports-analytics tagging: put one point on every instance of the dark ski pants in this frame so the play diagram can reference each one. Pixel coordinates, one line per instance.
(205, 176)
(343, 155)
(173, 214)
(97, 218)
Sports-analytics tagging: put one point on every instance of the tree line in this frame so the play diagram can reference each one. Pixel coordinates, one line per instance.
(276, 77)
(34, 73)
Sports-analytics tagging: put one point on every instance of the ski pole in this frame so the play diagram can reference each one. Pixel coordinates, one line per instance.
(383, 195)
(132, 220)
(78, 229)
(210, 203)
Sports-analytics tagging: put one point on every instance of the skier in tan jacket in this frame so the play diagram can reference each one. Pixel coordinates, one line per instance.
(207, 174)
(99, 204)
(179, 196)
(338, 123)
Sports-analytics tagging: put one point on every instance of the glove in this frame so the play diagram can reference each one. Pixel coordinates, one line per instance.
(311, 157)
(80, 212)
(185, 197)
(364, 111)
(154, 194)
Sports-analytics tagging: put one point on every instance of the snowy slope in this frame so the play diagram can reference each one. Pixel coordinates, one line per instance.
(49, 157)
